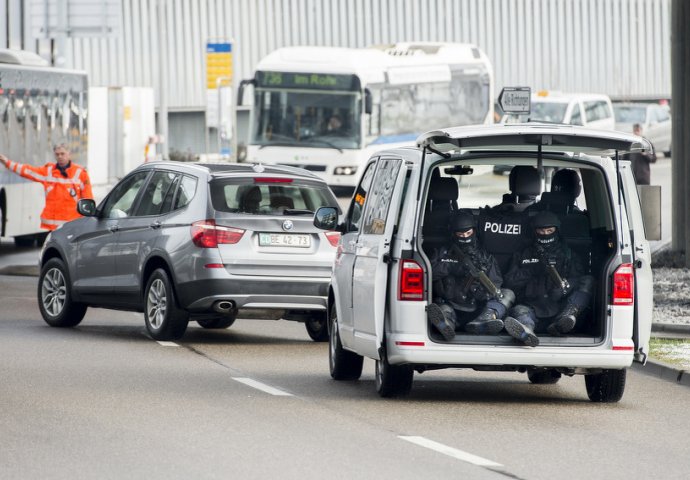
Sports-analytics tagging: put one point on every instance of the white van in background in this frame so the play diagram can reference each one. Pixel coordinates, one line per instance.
(592, 110)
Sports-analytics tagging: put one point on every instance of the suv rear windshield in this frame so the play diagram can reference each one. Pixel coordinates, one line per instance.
(270, 198)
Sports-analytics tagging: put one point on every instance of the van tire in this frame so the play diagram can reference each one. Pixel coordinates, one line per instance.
(607, 386)
(55, 302)
(543, 377)
(392, 380)
(317, 326)
(164, 319)
(343, 364)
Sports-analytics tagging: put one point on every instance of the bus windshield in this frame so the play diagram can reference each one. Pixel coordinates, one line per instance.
(307, 118)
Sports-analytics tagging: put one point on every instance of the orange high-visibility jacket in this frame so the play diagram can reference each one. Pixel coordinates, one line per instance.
(62, 193)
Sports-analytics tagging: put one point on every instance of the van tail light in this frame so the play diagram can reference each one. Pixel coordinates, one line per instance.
(624, 285)
(206, 234)
(411, 281)
(333, 238)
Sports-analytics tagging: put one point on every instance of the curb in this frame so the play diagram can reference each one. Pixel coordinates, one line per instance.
(20, 270)
(680, 328)
(663, 371)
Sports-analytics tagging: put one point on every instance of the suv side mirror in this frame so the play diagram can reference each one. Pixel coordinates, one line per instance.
(86, 207)
(326, 218)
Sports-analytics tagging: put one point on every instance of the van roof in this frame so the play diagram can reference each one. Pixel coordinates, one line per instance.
(529, 136)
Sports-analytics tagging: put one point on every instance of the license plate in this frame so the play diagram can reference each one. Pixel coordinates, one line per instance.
(284, 240)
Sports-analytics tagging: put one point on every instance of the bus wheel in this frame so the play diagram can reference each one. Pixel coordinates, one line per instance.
(606, 387)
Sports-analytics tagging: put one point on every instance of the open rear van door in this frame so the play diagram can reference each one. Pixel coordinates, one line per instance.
(372, 258)
(642, 264)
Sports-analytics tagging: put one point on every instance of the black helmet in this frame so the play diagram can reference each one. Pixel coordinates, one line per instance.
(546, 219)
(462, 222)
(568, 182)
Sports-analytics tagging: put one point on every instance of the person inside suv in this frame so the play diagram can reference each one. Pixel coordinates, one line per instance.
(550, 283)
(466, 279)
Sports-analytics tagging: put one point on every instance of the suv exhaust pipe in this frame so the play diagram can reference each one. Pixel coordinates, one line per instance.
(226, 307)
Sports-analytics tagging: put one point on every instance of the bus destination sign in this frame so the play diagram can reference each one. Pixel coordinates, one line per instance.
(317, 81)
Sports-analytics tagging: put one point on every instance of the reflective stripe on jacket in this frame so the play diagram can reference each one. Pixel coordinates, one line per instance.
(62, 193)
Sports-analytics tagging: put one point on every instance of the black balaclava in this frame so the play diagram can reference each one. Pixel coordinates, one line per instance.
(543, 220)
(462, 222)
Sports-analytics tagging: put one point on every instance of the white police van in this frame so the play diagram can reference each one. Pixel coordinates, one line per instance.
(381, 280)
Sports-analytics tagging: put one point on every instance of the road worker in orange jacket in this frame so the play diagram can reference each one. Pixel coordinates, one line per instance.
(64, 182)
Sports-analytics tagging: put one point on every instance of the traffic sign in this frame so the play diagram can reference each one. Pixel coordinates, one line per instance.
(515, 100)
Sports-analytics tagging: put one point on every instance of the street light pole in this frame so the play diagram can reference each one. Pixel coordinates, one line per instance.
(163, 77)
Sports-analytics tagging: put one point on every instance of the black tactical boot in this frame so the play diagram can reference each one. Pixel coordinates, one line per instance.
(438, 320)
(486, 323)
(521, 332)
(565, 321)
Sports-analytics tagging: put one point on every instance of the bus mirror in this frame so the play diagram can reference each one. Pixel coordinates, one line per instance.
(368, 104)
(240, 92)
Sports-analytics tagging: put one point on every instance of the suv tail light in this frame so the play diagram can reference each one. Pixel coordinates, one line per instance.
(333, 238)
(624, 285)
(411, 281)
(206, 234)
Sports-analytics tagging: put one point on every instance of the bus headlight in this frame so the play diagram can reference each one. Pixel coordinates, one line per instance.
(345, 170)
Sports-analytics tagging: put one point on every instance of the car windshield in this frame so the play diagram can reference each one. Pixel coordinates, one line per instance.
(630, 114)
(549, 112)
(270, 198)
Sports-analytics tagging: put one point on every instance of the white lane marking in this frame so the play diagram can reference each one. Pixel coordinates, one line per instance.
(167, 344)
(262, 386)
(451, 452)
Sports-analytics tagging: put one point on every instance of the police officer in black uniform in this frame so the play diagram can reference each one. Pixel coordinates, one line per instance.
(550, 283)
(465, 280)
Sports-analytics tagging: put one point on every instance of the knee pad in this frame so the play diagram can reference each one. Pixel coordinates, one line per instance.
(586, 284)
(449, 313)
(580, 299)
(507, 297)
(524, 315)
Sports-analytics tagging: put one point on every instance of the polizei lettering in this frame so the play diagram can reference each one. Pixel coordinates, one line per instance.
(504, 228)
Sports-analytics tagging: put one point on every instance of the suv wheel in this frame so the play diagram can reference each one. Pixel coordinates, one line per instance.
(606, 387)
(164, 320)
(344, 365)
(55, 296)
(392, 380)
(317, 326)
(543, 377)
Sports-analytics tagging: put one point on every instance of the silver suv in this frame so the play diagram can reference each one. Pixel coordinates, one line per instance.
(195, 242)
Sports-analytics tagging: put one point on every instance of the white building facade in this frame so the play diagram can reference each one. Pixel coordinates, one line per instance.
(617, 47)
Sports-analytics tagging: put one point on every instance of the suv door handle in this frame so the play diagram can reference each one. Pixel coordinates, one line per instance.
(355, 244)
(155, 225)
(113, 228)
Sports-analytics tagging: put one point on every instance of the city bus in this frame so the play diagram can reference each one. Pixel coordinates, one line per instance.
(40, 106)
(378, 97)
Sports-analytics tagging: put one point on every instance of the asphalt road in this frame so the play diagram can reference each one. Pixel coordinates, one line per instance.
(256, 401)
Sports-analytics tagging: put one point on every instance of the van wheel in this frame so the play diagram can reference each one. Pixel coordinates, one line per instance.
(344, 365)
(164, 320)
(317, 326)
(543, 377)
(392, 380)
(606, 387)
(217, 323)
(55, 296)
